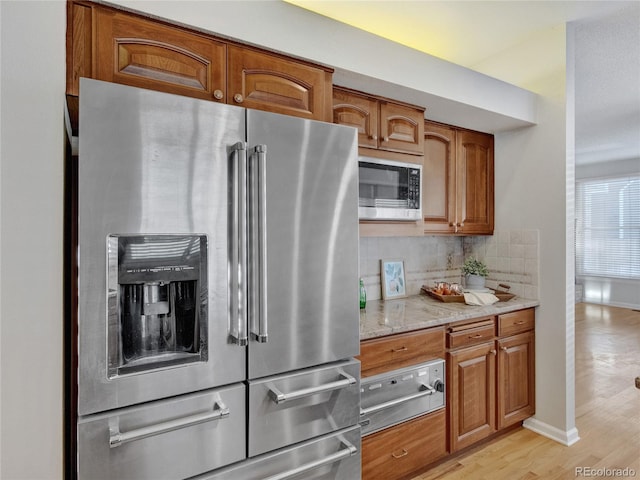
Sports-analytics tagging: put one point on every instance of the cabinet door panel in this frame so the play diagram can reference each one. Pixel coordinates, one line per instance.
(401, 128)
(438, 180)
(475, 208)
(516, 377)
(269, 82)
(145, 54)
(472, 394)
(357, 111)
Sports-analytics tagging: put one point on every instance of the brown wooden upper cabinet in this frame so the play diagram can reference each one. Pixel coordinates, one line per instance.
(458, 189)
(122, 47)
(382, 124)
(277, 84)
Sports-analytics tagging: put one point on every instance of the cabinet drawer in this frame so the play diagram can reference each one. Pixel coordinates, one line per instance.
(516, 322)
(389, 353)
(471, 334)
(403, 449)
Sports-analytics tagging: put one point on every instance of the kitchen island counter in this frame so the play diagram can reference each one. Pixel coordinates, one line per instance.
(416, 312)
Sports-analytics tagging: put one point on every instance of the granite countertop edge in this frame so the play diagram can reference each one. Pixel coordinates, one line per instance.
(381, 318)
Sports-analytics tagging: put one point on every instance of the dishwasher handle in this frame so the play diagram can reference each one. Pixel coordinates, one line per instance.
(346, 452)
(425, 390)
(281, 397)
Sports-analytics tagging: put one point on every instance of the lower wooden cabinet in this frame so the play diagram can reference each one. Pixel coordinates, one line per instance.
(491, 384)
(472, 393)
(516, 379)
(399, 451)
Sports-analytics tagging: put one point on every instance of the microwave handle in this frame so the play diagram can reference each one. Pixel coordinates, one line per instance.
(238, 244)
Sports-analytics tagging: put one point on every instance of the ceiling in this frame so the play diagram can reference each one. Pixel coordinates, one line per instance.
(473, 33)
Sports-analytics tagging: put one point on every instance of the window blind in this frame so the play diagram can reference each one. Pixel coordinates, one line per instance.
(608, 227)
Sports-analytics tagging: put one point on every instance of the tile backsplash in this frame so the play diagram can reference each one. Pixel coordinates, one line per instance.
(512, 257)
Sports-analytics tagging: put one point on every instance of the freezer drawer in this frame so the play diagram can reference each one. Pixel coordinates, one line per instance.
(167, 439)
(335, 456)
(285, 409)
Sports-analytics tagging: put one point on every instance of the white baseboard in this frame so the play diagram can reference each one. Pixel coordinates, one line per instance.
(566, 438)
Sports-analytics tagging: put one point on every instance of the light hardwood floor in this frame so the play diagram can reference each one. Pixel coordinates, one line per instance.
(607, 412)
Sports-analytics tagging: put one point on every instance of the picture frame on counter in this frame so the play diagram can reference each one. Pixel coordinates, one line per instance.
(392, 279)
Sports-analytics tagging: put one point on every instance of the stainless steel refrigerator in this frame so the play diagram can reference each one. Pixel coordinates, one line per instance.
(217, 291)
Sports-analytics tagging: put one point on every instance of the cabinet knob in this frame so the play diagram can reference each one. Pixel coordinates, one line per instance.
(373, 137)
(238, 98)
(504, 349)
(493, 352)
(218, 95)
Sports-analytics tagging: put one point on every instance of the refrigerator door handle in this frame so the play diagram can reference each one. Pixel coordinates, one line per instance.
(346, 452)
(237, 270)
(279, 397)
(425, 390)
(117, 438)
(258, 244)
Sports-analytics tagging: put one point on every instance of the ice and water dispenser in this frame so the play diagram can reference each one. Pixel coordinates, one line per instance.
(157, 301)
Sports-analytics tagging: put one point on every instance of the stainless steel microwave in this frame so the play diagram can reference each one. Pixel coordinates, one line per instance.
(389, 190)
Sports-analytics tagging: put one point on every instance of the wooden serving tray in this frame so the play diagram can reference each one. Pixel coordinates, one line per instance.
(502, 296)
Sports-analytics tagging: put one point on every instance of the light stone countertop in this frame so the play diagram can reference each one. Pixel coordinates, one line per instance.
(421, 311)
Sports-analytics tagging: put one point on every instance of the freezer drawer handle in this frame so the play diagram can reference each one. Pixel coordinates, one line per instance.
(118, 438)
(279, 397)
(425, 390)
(341, 454)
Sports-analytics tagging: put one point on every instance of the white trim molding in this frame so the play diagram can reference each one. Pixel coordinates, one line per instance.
(566, 438)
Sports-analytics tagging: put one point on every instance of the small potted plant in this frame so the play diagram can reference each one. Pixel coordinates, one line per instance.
(475, 273)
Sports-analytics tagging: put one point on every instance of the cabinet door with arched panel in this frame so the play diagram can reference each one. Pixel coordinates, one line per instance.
(148, 54)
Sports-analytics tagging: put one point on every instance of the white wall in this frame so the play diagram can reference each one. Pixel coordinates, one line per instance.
(533, 178)
(31, 203)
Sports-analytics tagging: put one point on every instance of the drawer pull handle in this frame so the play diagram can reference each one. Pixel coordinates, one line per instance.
(280, 397)
(347, 450)
(476, 336)
(401, 349)
(118, 438)
(403, 454)
(521, 322)
(424, 391)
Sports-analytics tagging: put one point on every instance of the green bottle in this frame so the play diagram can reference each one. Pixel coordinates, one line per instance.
(363, 296)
